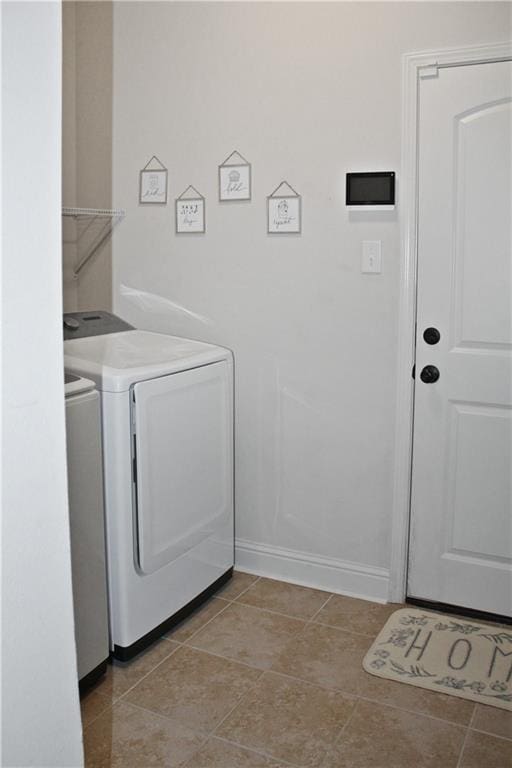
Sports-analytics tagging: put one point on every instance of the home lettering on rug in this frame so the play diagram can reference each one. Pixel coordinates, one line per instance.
(455, 645)
(420, 648)
(497, 650)
(459, 653)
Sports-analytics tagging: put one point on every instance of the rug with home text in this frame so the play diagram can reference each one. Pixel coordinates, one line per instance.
(445, 654)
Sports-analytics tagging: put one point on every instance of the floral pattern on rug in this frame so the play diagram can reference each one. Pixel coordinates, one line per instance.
(445, 654)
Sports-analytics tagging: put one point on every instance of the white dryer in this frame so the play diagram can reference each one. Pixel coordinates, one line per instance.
(167, 430)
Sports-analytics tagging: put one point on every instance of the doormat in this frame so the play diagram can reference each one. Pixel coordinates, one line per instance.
(446, 655)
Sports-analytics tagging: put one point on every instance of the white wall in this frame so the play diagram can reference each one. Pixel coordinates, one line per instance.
(41, 715)
(69, 159)
(305, 91)
(87, 144)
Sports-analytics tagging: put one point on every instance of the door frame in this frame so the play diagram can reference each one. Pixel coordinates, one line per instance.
(415, 66)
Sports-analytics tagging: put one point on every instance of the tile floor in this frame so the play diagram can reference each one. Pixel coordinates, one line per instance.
(268, 675)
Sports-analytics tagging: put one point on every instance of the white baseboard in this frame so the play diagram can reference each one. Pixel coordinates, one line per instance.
(340, 576)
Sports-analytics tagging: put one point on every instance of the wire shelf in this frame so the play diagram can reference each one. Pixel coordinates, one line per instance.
(94, 228)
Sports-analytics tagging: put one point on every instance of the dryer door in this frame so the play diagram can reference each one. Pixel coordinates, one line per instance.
(183, 446)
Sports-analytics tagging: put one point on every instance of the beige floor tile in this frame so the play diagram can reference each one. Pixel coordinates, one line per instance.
(196, 620)
(93, 704)
(288, 719)
(247, 634)
(219, 754)
(236, 585)
(417, 699)
(493, 720)
(383, 737)
(355, 615)
(484, 751)
(333, 658)
(194, 688)
(121, 676)
(128, 737)
(174, 696)
(327, 656)
(290, 599)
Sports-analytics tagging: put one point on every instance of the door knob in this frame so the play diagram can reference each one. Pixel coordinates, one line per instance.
(71, 324)
(429, 374)
(431, 335)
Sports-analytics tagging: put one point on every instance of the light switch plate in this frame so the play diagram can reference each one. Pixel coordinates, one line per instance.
(371, 257)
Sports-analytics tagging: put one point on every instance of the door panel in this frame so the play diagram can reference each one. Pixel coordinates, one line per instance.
(482, 196)
(184, 459)
(479, 450)
(461, 505)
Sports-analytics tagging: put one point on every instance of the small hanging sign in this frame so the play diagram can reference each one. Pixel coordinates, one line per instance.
(153, 183)
(190, 212)
(284, 210)
(234, 178)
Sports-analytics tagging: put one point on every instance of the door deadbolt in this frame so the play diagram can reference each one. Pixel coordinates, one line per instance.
(431, 335)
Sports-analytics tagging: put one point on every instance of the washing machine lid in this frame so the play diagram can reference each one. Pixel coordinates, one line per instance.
(117, 360)
(76, 385)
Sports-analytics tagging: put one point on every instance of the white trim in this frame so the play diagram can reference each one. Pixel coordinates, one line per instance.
(339, 576)
(412, 65)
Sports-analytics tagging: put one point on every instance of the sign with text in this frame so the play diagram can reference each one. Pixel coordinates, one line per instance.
(234, 178)
(190, 212)
(284, 211)
(153, 183)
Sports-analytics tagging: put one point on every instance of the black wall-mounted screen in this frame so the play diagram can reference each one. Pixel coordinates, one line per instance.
(376, 188)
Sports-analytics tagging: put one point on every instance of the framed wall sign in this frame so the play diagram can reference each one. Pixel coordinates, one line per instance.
(190, 212)
(284, 211)
(234, 178)
(153, 183)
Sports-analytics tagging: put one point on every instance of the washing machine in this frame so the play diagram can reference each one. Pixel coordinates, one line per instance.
(87, 527)
(167, 434)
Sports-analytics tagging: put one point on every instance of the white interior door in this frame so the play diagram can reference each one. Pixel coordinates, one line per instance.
(461, 513)
(184, 461)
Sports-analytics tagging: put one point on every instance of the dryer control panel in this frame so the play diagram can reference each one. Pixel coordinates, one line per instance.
(78, 325)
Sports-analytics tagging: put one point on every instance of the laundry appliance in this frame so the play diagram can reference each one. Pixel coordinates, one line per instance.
(167, 426)
(87, 527)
